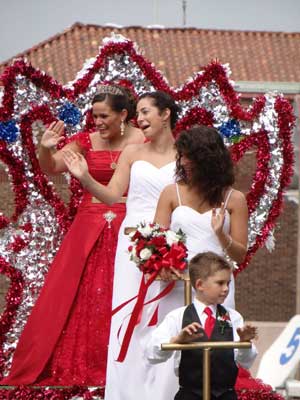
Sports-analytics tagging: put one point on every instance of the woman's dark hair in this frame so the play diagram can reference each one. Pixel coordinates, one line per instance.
(163, 100)
(211, 165)
(118, 98)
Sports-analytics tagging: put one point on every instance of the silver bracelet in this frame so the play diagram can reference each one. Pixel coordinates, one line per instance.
(225, 249)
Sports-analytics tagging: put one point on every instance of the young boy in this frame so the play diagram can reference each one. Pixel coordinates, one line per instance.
(210, 277)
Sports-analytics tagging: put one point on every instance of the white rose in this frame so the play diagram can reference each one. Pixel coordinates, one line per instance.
(133, 256)
(171, 237)
(145, 254)
(145, 230)
(135, 259)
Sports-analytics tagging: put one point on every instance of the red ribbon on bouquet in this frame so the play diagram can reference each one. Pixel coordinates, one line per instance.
(173, 257)
(136, 315)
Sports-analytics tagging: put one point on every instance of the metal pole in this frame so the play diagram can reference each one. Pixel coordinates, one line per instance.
(184, 12)
(206, 347)
(187, 291)
(206, 374)
(187, 287)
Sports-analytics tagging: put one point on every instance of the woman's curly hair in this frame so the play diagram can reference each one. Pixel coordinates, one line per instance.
(212, 169)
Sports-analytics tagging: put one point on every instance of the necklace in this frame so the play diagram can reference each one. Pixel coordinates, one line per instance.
(113, 164)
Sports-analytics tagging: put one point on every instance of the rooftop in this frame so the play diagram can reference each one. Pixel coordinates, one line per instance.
(178, 52)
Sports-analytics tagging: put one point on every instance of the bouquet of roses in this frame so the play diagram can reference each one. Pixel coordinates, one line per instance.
(155, 247)
(152, 249)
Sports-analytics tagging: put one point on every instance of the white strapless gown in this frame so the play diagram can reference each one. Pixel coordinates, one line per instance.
(200, 237)
(134, 378)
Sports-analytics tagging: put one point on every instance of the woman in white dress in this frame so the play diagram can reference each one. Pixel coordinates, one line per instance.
(203, 203)
(145, 170)
(204, 206)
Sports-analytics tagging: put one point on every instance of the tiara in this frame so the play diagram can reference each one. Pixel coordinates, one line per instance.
(109, 89)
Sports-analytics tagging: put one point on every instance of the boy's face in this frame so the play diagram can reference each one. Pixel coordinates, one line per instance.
(215, 288)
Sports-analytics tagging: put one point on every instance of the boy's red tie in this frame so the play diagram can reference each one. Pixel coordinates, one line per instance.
(209, 322)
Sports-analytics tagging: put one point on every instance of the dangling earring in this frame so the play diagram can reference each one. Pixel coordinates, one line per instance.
(165, 125)
(122, 128)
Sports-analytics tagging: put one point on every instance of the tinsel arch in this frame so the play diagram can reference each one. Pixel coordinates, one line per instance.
(31, 99)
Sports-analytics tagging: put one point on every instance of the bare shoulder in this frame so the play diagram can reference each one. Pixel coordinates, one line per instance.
(237, 199)
(132, 151)
(135, 136)
(169, 190)
(169, 195)
(236, 195)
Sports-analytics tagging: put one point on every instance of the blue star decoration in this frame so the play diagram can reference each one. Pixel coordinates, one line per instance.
(9, 131)
(70, 114)
(231, 130)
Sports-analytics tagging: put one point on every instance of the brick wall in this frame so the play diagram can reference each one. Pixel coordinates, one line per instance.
(266, 290)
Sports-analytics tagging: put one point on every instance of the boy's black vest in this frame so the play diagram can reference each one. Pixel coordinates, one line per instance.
(223, 372)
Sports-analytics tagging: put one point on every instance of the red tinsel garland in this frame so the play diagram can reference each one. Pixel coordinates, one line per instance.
(13, 300)
(194, 116)
(41, 181)
(44, 393)
(19, 182)
(286, 121)
(260, 141)
(262, 394)
(28, 393)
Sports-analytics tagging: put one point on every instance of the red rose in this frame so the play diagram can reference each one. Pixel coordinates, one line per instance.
(158, 241)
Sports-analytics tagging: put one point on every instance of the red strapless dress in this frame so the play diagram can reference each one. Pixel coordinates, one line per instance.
(66, 336)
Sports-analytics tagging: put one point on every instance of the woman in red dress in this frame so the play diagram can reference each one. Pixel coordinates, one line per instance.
(66, 336)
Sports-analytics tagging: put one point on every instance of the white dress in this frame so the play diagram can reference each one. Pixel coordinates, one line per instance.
(200, 237)
(133, 378)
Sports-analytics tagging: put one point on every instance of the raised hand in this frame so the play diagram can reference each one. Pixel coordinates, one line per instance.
(247, 333)
(75, 163)
(217, 219)
(53, 135)
(189, 334)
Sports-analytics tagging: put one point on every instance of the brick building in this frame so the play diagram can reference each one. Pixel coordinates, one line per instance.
(260, 61)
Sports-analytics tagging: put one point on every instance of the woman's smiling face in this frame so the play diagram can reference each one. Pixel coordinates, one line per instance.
(107, 121)
(149, 118)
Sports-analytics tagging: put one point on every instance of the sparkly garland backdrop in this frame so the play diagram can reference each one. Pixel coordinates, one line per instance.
(31, 100)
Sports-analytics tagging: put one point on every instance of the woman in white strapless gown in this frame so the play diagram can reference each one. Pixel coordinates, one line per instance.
(203, 204)
(146, 169)
(134, 377)
(200, 236)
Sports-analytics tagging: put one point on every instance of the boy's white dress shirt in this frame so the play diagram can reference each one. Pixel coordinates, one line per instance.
(172, 325)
